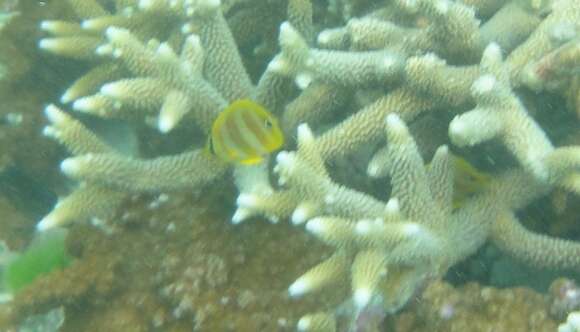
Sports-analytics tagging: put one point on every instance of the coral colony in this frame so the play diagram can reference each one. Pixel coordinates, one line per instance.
(171, 62)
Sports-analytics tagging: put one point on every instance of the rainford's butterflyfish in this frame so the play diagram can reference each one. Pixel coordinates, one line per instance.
(468, 181)
(244, 133)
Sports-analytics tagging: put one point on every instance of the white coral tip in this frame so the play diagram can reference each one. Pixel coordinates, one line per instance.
(46, 25)
(442, 6)
(145, 4)
(46, 223)
(430, 59)
(282, 180)
(49, 26)
(461, 132)
(492, 51)
(484, 84)
(187, 28)
(247, 200)
(304, 324)
(240, 215)
(165, 50)
(114, 90)
(316, 226)
(54, 114)
(442, 150)
(285, 159)
(411, 229)
(574, 319)
(362, 297)
(117, 53)
(49, 131)
(299, 287)
(279, 65)
(303, 80)
(329, 36)
(194, 41)
(85, 104)
(393, 207)
(70, 166)
(67, 96)
(304, 133)
(91, 24)
(289, 36)
(572, 323)
(106, 49)
(324, 37)
(300, 215)
(373, 170)
(165, 124)
(286, 29)
(394, 122)
(50, 44)
(116, 34)
(363, 227)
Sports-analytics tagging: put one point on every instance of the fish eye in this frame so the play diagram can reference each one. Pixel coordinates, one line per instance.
(268, 123)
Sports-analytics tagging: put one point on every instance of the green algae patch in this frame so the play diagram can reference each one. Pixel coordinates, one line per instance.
(46, 253)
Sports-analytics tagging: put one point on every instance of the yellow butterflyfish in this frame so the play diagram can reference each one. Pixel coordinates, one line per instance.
(244, 133)
(468, 181)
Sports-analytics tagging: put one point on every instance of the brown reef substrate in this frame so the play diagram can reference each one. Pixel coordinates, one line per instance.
(180, 265)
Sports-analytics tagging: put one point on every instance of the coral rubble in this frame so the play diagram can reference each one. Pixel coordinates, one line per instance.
(471, 307)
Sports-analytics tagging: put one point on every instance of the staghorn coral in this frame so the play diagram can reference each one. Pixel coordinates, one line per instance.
(175, 65)
(174, 83)
(391, 249)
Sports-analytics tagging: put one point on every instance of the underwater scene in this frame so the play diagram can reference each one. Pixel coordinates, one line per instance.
(289, 165)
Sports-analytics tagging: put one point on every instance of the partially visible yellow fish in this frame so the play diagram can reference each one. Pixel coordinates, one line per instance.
(244, 133)
(467, 182)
